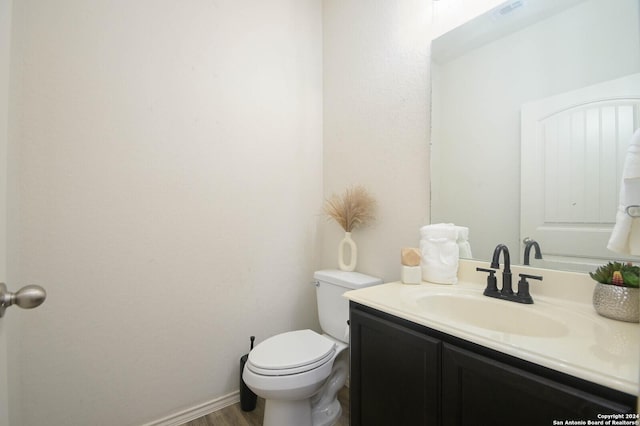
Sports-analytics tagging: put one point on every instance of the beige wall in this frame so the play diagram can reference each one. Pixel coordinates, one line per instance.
(166, 185)
(376, 123)
(169, 176)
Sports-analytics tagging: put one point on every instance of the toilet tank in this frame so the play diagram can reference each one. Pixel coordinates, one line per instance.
(333, 308)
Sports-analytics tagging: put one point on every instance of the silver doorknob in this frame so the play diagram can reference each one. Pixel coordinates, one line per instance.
(27, 297)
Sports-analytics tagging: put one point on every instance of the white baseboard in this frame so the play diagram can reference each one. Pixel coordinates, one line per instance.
(200, 410)
(197, 411)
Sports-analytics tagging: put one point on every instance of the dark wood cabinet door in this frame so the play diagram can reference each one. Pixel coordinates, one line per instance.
(394, 374)
(481, 391)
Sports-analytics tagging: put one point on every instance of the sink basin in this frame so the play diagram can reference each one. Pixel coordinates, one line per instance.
(492, 314)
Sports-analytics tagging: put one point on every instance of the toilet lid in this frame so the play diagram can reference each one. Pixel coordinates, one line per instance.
(290, 353)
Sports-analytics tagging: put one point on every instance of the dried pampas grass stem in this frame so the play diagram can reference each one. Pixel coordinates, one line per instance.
(351, 210)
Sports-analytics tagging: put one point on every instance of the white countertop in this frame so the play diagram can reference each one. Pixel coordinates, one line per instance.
(591, 347)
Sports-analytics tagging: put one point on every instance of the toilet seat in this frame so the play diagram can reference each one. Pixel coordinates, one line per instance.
(293, 352)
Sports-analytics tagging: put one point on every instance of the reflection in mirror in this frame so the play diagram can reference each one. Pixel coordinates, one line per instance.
(489, 71)
(573, 148)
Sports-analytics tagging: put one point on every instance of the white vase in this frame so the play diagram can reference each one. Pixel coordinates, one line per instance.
(347, 241)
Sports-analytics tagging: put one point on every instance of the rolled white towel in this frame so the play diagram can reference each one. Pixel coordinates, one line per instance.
(439, 230)
(440, 253)
(464, 247)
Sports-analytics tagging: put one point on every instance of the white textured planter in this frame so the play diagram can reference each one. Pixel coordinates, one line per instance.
(618, 303)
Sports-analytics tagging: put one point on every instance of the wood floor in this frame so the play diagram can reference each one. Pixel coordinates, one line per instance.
(234, 416)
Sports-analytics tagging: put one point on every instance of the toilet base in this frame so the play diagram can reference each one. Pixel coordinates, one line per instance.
(325, 407)
(322, 409)
(287, 413)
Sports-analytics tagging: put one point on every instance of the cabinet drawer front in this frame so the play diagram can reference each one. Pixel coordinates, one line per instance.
(479, 390)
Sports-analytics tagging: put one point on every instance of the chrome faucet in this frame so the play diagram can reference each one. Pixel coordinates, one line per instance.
(506, 292)
(528, 243)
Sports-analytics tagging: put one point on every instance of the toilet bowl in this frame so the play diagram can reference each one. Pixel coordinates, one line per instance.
(299, 373)
(288, 381)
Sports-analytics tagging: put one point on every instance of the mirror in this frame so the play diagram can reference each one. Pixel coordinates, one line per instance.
(483, 73)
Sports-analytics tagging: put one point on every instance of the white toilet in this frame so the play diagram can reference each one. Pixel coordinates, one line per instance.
(299, 373)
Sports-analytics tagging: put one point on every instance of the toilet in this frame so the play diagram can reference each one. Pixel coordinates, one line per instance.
(299, 373)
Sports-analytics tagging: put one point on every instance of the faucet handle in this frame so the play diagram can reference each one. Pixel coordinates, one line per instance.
(492, 283)
(533, 277)
(523, 295)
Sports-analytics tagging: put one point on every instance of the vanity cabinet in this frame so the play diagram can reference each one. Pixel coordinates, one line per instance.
(397, 375)
(403, 373)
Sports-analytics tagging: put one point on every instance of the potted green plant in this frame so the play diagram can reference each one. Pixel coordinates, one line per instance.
(616, 294)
